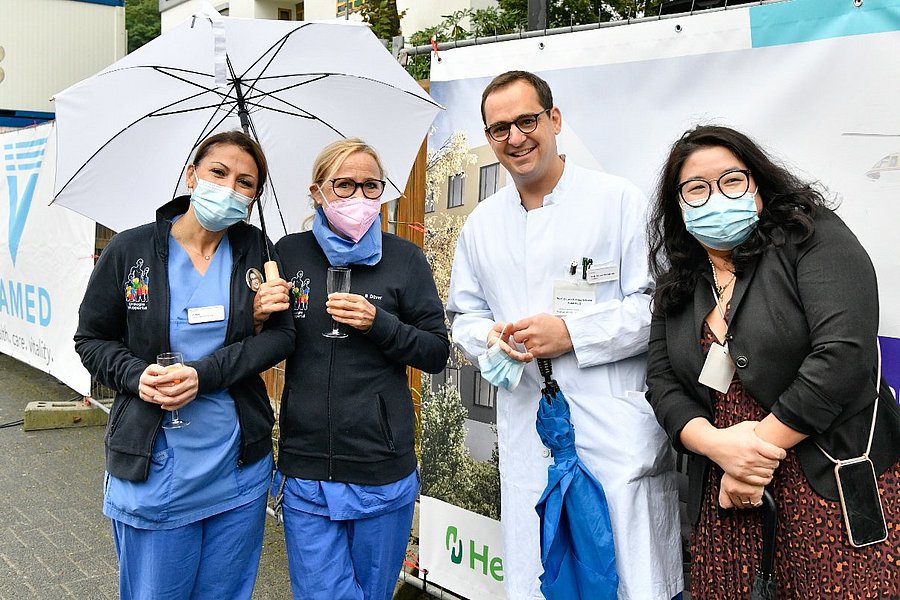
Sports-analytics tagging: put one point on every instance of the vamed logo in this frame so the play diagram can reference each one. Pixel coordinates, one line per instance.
(23, 166)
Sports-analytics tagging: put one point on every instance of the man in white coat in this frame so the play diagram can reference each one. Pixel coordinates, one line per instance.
(555, 266)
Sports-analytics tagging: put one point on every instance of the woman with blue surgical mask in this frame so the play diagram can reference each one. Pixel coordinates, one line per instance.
(188, 503)
(763, 367)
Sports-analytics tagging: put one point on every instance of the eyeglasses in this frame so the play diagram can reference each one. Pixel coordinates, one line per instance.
(344, 187)
(697, 192)
(499, 132)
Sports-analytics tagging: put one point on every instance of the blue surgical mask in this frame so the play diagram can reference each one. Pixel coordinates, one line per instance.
(499, 368)
(218, 207)
(722, 223)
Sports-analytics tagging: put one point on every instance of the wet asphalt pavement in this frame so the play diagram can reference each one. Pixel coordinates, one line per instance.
(55, 542)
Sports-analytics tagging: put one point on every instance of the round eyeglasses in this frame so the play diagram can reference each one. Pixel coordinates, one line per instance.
(499, 132)
(344, 187)
(697, 192)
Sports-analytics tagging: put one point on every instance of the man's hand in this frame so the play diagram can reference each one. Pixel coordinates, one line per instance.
(543, 335)
(500, 334)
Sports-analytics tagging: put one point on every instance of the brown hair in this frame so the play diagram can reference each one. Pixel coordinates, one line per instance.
(545, 96)
(245, 143)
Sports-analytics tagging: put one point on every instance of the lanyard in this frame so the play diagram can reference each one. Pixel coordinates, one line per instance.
(874, 414)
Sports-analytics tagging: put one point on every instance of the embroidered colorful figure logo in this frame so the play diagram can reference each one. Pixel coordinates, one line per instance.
(137, 286)
(23, 166)
(299, 295)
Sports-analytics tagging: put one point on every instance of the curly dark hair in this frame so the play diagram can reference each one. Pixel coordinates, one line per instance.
(677, 258)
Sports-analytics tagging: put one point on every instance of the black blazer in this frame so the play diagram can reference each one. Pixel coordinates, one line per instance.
(802, 330)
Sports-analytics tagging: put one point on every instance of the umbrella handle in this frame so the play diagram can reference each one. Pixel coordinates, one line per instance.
(770, 521)
(271, 269)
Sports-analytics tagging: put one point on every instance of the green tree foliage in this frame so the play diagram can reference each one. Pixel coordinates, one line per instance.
(449, 473)
(382, 17)
(512, 15)
(141, 21)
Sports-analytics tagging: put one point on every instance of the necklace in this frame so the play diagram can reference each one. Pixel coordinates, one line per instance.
(194, 250)
(720, 289)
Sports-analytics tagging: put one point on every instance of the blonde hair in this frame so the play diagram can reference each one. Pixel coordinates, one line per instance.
(330, 160)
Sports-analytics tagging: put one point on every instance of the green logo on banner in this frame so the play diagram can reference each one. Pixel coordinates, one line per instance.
(480, 559)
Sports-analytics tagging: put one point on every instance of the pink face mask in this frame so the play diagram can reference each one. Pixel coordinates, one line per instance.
(352, 217)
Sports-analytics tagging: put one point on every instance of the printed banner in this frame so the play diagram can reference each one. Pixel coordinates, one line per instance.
(45, 260)
(460, 549)
(813, 82)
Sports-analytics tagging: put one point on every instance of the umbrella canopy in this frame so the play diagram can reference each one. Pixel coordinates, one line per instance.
(126, 135)
(577, 550)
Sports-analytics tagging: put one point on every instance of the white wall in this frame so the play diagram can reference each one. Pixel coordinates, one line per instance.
(314, 10)
(317, 10)
(51, 44)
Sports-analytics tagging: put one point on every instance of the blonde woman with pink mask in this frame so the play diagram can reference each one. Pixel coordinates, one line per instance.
(346, 452)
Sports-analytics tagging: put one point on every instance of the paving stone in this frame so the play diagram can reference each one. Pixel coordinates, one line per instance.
(55, 542)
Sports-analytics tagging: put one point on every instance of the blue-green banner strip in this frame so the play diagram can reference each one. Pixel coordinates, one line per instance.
(809, 20)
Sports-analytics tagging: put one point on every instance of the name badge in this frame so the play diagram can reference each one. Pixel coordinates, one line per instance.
(718, 370)
(206, 314)
(569, 297)
(601, 273)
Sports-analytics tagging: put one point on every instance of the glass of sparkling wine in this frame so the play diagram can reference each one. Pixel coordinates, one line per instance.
(338, 281)
(172, 359)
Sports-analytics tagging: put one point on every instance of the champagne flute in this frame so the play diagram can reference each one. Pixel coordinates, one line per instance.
(172, 359)
(338, 281)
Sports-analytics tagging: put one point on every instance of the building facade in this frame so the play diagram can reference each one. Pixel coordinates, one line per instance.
(47, 45)
(419, 13)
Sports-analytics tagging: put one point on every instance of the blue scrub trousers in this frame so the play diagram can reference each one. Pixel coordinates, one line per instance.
(357, 559)
(211, 559)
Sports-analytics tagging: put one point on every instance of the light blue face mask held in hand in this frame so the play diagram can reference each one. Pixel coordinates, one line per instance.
(499, 368)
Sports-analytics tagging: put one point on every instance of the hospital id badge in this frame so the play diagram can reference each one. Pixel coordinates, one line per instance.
(569, 297)
(206, 314)
(602, 273)
(718, 370)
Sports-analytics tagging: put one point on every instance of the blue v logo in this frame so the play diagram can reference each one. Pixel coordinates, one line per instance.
(23, 165)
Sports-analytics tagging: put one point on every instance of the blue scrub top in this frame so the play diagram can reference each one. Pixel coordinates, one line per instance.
(194, 472)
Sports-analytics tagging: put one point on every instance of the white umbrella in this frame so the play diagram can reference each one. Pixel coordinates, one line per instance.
(126, 135)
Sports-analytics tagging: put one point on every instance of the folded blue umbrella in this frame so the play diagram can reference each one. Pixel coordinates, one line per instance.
(577, 550)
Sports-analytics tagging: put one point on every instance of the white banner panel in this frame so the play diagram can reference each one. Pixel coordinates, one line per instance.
(45, 260)
(461, 550)
(814, 82)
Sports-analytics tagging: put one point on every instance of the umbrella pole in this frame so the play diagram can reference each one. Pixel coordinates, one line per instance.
(551, 388)
(270, 267)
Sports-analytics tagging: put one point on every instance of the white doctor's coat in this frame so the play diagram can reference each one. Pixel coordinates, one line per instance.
(507, 261)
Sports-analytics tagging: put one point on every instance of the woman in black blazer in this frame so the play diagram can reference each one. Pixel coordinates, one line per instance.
(763, 346)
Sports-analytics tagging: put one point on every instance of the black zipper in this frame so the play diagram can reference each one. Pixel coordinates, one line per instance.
(328, 412)
(232, 302)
